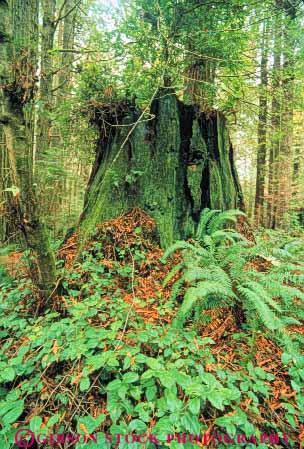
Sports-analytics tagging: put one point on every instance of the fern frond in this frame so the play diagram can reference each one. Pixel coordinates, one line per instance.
(193, 294)
(176, 289)
(264, 313)
(261, 292)
(182, 245)
(223, 234)
(208, 243)
(172, 273)
(222, 218)
(178, 245)
(205, 216)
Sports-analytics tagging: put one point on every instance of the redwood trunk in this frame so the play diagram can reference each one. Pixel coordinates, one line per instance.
(171, 166)
(19, 48)
(262, 129)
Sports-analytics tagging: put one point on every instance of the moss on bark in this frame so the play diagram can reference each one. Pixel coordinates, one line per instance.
(172, 167)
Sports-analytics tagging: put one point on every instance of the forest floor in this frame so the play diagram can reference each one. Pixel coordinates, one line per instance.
(101, 356)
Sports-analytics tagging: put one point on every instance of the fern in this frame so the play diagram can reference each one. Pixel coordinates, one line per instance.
(264, 312)
(204, 289)
(205, 217)
(172, 273)
(182, 245)
(176, 289)
(216, 271)
(217, 221)
(211, 232)
(260, 292)
(232, 236)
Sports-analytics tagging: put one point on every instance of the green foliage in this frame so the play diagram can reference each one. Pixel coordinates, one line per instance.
(96, 348)
(212, 221)
(216, 270)
(5, 279)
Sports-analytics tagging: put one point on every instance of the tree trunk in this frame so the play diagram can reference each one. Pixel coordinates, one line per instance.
(4, 184)
(275, 130)
(46, 77)
(8, 231)
(172, 166)
(297, 160)
(18, 86)
(286, 149)
(199, 84)
(262, 129)
(67, 38)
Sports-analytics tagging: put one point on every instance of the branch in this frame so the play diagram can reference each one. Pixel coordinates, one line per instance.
(66, 14)
(60, 12)
(70, 50)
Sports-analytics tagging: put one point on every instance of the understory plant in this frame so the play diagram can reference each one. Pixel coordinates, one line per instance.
(220, 268)
(92, 364)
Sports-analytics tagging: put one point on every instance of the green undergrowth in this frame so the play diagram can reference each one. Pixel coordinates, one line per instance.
(91, 364)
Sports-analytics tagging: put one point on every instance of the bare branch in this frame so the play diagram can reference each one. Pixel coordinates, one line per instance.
(60, 17)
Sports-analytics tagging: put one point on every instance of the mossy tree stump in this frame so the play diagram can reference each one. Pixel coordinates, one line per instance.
(171, 166)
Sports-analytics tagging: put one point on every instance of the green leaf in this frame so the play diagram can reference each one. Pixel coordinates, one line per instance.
(130, 377)
(216, 398)
(53, 420)
(138, 426)
(12, 413)
(166, 379)
(289, 407)
(191, 423)
(291, 421)
(173, 402)
(227, 423)
(90, 423)
(194, 405)
(286, 358)
(8, 374)
(35, 424)
(162, 428)
(260, 372)
(114, 385)
(84, 384)
(151, 393)
(153, 363)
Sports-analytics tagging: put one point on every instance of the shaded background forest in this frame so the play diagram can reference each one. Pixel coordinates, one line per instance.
(243, 58)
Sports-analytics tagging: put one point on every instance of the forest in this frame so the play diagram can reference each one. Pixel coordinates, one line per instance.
(151, 224)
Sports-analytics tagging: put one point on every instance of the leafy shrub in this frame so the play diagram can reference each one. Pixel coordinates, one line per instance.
(91, 363)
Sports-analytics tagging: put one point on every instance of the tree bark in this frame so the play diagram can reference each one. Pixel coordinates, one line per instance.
(4, 184)
(286, 149)
(199, 84)
(275, 130)
(18, 88)
(67, 35)
(262, 130)
(46, 77)
(172, 166)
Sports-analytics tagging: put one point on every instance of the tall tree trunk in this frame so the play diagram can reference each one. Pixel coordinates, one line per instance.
(67, 35)
(8, 231)
(275, 129)
(297, 162)
(262, 130)
(172, 167)
(4, 184)
(46, 77)
(286, 150)
(18, 86)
